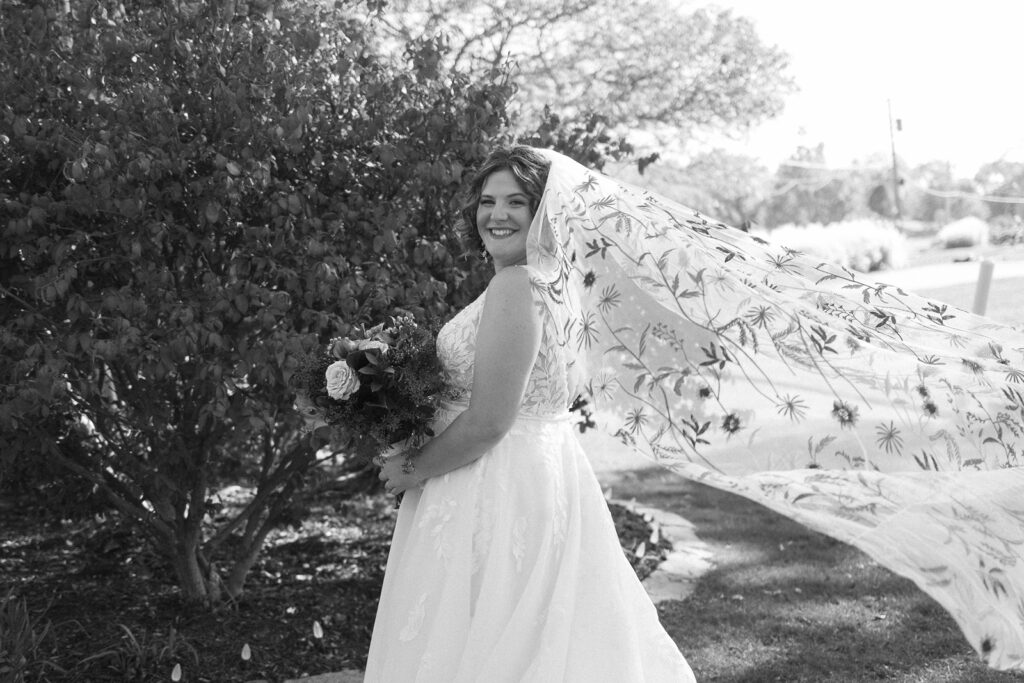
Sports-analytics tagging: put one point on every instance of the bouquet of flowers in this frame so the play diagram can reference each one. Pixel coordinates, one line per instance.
(376, 389)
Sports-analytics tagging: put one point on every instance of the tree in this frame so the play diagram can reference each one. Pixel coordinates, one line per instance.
(191, 199)
(637, 64)
(1002, 179)
(944, 198)
(806, 191)
(737, 186)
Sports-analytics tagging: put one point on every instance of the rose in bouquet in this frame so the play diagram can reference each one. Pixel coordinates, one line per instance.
(374, 389)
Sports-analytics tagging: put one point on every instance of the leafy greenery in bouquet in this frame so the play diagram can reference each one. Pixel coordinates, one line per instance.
(376, 389)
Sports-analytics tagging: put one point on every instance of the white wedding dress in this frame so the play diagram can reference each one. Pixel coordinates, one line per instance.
(509, 569)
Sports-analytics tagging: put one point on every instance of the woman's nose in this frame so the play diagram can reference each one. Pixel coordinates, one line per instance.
(499, 211)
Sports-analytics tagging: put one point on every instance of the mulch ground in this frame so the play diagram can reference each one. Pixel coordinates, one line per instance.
(114, 613)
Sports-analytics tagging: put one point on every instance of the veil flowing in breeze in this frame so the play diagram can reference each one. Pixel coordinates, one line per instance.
(880, 418)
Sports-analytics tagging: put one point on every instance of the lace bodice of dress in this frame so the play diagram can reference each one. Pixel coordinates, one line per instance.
(548, 390)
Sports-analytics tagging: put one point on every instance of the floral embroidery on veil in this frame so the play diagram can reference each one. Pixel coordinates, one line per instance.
(885, 419)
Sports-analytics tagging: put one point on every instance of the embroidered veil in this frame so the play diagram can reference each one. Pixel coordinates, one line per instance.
(886, 420)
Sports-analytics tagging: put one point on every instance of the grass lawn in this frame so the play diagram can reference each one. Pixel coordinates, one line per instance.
(1005, 301)
(1006, 298)
(787, 604)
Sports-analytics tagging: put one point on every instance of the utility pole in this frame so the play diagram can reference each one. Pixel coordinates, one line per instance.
(895, 169)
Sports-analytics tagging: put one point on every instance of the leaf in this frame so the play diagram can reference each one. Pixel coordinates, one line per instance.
(246, 653)
(318, 631)
(824, 442)
(651, 282)
(641, 550)
(212, 211)
(176, 673)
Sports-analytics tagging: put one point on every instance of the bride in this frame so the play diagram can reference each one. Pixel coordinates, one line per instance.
(505, 564)
(886, 420)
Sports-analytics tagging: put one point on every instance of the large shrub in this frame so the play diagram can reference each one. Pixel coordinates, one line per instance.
(861, 244)
(192, 196)
(969, 231)
(190, 200)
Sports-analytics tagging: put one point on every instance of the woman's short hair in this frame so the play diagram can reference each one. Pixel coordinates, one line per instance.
(528, 167)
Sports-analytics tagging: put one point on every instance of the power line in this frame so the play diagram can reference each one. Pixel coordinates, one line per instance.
(956, 194)
(814, 166)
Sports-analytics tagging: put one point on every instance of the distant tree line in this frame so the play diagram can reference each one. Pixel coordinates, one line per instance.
(739, 190)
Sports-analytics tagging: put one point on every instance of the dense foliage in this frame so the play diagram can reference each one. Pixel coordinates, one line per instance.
(190, 201)
(193, 196)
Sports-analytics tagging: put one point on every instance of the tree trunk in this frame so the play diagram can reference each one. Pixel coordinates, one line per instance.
(191, 580)
(198, 579)
(241, 567)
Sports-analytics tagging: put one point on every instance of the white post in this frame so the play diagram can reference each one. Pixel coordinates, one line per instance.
(984, 285)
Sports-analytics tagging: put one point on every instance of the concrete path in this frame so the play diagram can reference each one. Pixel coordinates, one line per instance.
(676, 577)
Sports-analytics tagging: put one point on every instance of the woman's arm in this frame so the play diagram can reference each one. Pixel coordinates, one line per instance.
(508, 340)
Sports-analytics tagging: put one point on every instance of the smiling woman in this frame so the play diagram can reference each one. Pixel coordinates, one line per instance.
(505, 564)
(503, 197)
(503, 219)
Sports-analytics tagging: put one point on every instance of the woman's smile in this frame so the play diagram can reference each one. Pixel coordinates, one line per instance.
(503, 218)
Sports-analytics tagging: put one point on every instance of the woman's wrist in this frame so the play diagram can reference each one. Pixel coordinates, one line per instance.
(408, 465)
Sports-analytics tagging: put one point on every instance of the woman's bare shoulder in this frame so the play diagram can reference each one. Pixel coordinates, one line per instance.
(513, 281)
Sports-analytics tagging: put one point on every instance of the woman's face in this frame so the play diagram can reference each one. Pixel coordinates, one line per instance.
(503, 219)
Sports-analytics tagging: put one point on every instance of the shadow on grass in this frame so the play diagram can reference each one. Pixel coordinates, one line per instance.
(784, 603)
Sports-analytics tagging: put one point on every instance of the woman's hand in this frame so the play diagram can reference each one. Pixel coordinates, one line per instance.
(399, 473)
(312, 418)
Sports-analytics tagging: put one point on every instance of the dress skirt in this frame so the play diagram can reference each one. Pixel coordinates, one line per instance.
(509, 569)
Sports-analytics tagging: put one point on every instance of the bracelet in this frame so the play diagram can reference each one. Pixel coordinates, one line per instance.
(408, 466)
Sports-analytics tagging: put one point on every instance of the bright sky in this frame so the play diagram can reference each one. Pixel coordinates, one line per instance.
(951, 68)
